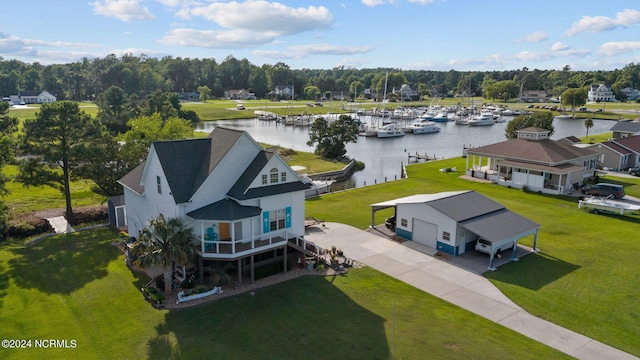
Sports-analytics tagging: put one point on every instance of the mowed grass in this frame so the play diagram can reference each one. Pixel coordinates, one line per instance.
(23, 200)
(77, 287)
(585, 277)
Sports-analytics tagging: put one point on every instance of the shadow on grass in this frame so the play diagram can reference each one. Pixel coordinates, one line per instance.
(4, 283)
(65, 263)
(299, 319)
(534, 271)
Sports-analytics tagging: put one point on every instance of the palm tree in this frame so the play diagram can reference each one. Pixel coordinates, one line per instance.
(588, 123)
(163, 243)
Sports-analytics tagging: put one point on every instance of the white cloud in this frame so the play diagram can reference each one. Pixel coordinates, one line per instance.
(623, 19)
(216, 39)
(537, 36)
(372, 3)
(125, 10)
(250, 23)
(327, 49)
(422, 1)
(262, 16)
(616, 48)
(304, 51)
(558, 46)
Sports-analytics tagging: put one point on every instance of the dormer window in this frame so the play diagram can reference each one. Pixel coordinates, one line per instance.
(159, 184)
(273, 176)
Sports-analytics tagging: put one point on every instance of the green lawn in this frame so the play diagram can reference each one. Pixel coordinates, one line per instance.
(586, 276)
(77, 287)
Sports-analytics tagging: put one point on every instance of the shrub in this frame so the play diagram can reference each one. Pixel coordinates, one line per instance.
(157, 297)
(187, 284)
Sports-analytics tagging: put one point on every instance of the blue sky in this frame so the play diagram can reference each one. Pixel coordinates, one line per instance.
(407, 34)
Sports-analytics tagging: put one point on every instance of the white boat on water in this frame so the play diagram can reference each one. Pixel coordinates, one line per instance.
(421, 127)
(389, 130)
(564, 117)
(441, 117)
(484, 119)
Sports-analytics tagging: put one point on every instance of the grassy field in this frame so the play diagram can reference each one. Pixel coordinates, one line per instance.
(77, 287)
(584, 277)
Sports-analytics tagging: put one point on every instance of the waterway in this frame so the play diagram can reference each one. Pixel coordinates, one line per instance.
(384, 157)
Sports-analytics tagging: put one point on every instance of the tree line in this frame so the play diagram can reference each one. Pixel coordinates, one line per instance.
(141, 75)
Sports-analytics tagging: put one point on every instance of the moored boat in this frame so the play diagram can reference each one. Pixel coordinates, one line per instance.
(389, 130)
(421, 127)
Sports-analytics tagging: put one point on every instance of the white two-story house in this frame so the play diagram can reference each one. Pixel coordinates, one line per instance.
(241, 200)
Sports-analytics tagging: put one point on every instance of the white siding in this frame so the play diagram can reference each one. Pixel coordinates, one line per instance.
(226, 174)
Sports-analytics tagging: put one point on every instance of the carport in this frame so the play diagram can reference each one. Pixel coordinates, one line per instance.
(501, 228)
(392, 203)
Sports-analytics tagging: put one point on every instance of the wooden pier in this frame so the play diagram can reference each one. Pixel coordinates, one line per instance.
(417, 157)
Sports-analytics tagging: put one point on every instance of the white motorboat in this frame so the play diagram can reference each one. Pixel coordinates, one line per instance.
(595, 205)
(484, 119)
(318, 187)
(390, 130)
(441, 117)
(421, 127)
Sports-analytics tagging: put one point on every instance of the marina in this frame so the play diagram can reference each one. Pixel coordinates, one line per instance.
(384, 157)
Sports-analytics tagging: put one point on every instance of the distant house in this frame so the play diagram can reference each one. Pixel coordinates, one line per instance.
(405, 92)
(533, 160)
(619, 154)
(244, 203)
(531, 96)
(453, 221)
(600, 93)
(189, 96)
(284, 92)
(32, 97)
(337, 95)
(631, 93)
(622, 129)
(239, 94)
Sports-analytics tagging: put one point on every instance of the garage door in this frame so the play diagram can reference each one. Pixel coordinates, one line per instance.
(425, 233)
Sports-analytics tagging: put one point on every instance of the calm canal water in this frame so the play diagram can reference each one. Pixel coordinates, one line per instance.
(383, 158)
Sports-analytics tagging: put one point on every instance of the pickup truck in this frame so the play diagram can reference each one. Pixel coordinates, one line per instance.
(484, 246)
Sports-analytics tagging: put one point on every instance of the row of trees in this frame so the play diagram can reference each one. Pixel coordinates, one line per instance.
(142, 75)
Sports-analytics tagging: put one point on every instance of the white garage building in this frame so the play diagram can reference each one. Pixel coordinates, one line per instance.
(453, 221)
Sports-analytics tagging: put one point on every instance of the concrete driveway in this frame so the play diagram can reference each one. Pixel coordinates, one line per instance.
(459, 284)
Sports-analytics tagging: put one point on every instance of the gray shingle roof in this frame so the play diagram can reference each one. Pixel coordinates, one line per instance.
(626, 126)
(187, 163)
(465, 206)
(226, 209)
(132, 179)
(499, 225)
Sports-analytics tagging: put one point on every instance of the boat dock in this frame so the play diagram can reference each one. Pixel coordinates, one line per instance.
(417, 157)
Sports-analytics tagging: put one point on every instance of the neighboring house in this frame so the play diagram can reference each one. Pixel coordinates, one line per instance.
(405, 92)
(337, 95)
(239, 94)
(244, 203)
(614, 156)
(600, 93)
(621, 153)
(531, 96)
(189, 96)
(32, 97)
(622, 129)
(284, 92)
(452, 222)
(631, 93)
(534, 161)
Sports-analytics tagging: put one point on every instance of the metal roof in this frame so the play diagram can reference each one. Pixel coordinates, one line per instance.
(500, 225)
(224, 210)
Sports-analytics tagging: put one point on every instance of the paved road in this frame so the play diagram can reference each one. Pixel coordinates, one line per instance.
(416, 265)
